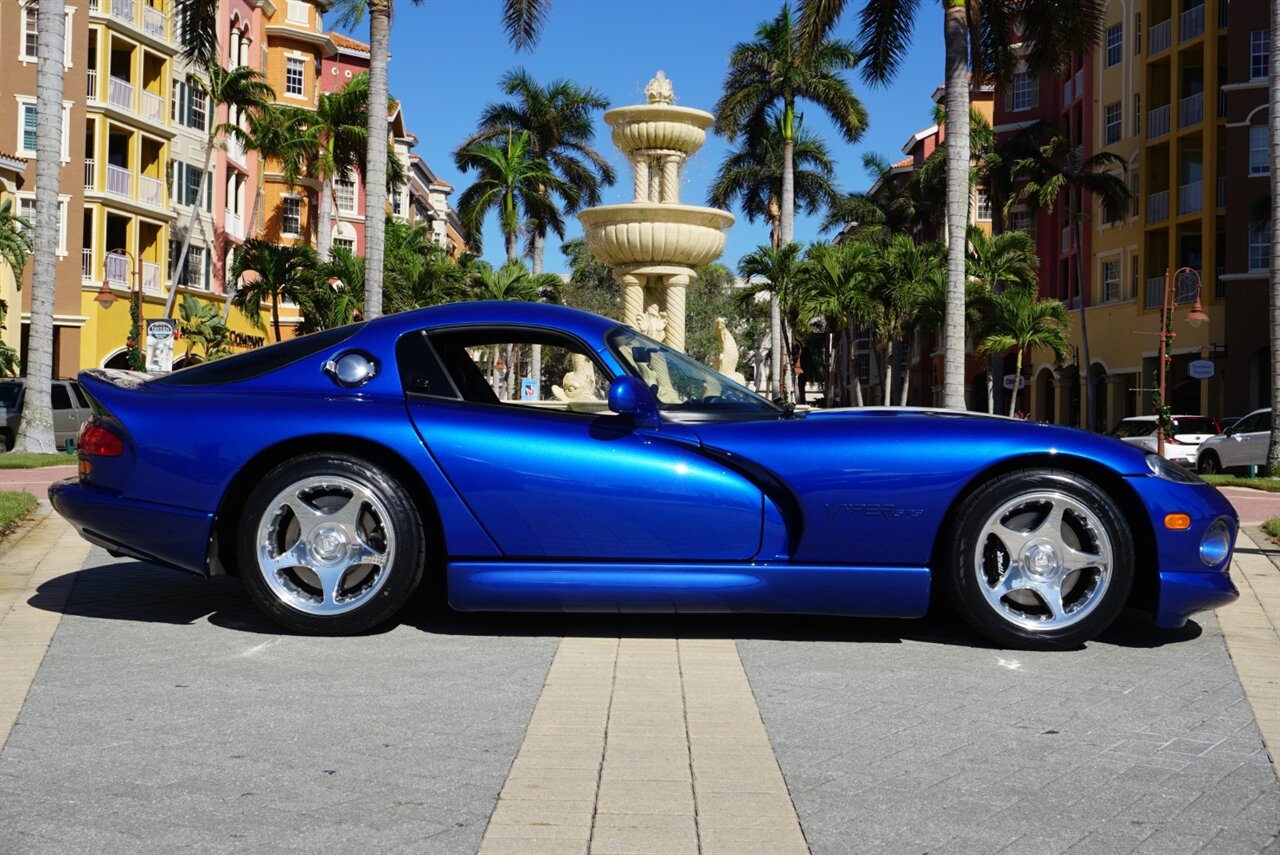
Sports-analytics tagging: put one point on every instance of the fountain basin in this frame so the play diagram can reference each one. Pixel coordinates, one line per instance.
(658, 127)
(655, 234)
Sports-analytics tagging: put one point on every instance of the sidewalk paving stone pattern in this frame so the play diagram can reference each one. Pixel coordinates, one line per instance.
(170, 716)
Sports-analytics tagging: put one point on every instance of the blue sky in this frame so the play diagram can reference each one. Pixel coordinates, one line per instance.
(447, 57)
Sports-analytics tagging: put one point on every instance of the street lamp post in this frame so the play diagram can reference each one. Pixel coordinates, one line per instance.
(106, 297)
(1195, 317)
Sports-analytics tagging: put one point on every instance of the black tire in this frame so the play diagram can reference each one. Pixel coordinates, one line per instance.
(359, 511)
(1013, 517)
(1208, 464)
(6, 441)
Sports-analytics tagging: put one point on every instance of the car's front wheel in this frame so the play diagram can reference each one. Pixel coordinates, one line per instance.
(1041, 559)
(1209, 464)
(330, 545)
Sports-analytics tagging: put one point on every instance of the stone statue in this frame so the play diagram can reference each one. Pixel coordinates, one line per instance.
(579, 383)
(652, 323)
(659, 90)
(727, 361)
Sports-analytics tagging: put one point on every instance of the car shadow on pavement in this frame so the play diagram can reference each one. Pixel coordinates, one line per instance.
(139, 592)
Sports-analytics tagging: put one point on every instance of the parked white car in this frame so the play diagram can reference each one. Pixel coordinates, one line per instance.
(1180, 446)
(1243, 444)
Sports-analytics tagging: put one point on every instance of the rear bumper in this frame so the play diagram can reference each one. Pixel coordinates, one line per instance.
(161, 534)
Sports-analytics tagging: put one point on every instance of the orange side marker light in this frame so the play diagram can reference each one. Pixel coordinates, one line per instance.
(1177, 522)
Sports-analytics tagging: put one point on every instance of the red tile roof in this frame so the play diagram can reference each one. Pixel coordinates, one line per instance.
(348, 43)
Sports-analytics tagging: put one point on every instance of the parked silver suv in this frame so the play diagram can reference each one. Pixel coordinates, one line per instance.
(70, 410)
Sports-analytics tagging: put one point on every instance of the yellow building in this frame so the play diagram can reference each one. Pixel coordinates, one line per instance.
(1155, 105)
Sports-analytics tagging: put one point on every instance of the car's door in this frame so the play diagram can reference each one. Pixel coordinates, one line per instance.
(550, 472)
(1254, 437)
(66, 422)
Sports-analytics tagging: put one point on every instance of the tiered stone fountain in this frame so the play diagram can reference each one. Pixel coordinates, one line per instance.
(653, 244)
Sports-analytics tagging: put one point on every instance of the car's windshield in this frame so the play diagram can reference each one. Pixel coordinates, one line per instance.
(9, 393)
(1133, 427)
(1190, 424)
(679, 383)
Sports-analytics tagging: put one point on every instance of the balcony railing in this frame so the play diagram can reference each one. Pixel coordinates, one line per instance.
(86, 263)
(1080, 83)
(153, 21)
(1158, 206)
(123, 10)
(152, 107)
(233, 225)
(1221, 198)
(90, 174)
(1155, 292)
(1219, 287)
(120, 93)
(117, 181)
(1191, 198)
(115, 268)
(1158, 122)
(1191, 110)
(1159, 38)
(150, 277)
(92, 87)
(150, 191)
(1067, 89)
(1066, 239)
(1191, 24)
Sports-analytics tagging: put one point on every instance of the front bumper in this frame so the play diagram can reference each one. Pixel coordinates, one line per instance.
(161, 534)
(1186, 584)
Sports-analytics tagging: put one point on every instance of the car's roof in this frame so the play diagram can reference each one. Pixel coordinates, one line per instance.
(1153, 418)
(497, 312)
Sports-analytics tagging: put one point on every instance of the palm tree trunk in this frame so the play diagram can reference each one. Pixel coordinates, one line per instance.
(991, 391)
(324, 231)
(539, 248)
(955, 28)
(35, 428)
(513, 247)
(181, 261)
(887, 396)
(375, 185)
(275, 313)
(775, 346)
(1273, 450)
(1017, 380)
(1089, 392)
(906, 372)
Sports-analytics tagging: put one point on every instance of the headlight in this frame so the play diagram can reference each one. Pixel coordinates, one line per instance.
(1171, 471)
(1215, 546)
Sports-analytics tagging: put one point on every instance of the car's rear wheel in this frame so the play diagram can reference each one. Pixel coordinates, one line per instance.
(330, 545)
(1041, 559)
(1209, 464)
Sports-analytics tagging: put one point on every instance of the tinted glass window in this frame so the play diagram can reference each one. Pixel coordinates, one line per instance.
(258, 362)
(420, 370)
(1133, 428)
(679, 383)
(80, 396)
(9, 394)
(1254, 423)
(1193, 425)
(59, 397)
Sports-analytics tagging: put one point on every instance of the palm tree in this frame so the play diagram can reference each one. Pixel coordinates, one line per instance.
(1050, 33)
(510, 181)
(201, 326)
(333, 295)
(239, 88)
(1273, 450)
(1020, 321)
(334, 141)
(835, 288)
(35, 428)
(890, 207)
(777, 267)
(907, 273)
(280, 272)
(751, 176)
(1007, 259)
(773, 72)
(558, 118)
(1059, 169)
(511, 281)
(15, 240)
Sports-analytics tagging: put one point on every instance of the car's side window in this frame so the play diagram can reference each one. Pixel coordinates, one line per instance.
(80, 396)
(522, 367)
(59, 398)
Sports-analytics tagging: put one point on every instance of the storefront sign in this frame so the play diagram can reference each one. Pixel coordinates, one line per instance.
(1201, 369)
(160, 335)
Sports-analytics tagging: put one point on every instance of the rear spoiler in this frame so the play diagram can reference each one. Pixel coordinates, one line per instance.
(110, 388)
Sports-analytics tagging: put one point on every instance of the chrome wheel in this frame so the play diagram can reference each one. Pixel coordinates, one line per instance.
(324, 544)
(1044, 561)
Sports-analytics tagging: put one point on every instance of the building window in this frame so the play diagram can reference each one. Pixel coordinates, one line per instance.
(1026, 92)
(1259, 153)
(1137, 114)
(27, 210)
(1260, 245)
(27, 136)
(1135, 194)
(345, 243)
(395, 204)
(199, 111)
(1137, 34)
(1021, 221)
(1112, 121)
(293, 73)
(1115, 44)
(1259, 54)
(291, 217)
(1111, 281)
(296, 12)
(30, 34)
(984, 205)
(1133, 277)
(345, 191)
(191, 190)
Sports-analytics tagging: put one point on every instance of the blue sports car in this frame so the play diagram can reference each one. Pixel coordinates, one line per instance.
(539, 458)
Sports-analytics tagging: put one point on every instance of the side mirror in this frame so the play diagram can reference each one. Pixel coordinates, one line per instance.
(629, 396)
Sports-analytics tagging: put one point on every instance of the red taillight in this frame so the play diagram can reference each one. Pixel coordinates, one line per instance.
(97, 440)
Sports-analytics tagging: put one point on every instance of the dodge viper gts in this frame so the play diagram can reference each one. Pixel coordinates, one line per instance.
(531, 457)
